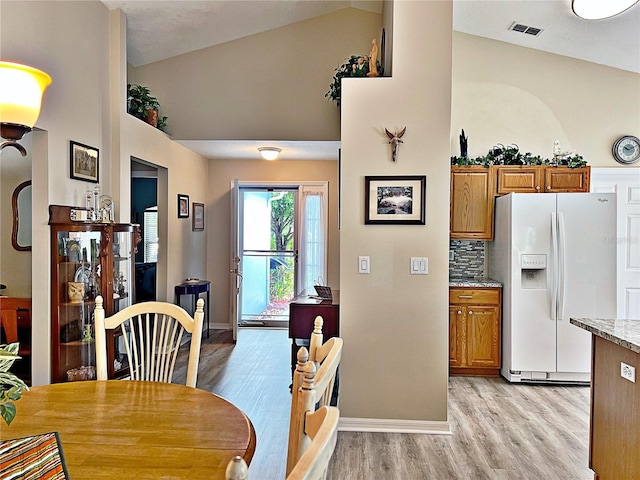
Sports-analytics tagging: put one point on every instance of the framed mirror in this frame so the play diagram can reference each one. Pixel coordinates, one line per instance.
(21, 206)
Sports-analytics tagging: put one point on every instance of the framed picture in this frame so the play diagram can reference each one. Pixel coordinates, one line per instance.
(183, 206)
(395, 200)
(85, 162)
(198, 216)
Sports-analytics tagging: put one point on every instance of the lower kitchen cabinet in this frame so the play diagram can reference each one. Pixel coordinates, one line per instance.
(474, 331)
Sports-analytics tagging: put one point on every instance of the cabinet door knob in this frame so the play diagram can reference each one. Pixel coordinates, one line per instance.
(470, 312)
(548, 187)
(537, 187)
(459, 312)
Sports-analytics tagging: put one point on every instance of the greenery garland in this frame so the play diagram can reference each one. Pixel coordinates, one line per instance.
(501, 155)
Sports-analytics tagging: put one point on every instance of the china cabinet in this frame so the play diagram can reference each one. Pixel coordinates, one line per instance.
(87, 259)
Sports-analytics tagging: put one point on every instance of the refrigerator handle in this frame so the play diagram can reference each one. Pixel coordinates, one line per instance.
(561, 266)
(554, 267)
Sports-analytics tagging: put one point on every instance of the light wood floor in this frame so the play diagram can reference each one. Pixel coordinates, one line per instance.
(500, 430)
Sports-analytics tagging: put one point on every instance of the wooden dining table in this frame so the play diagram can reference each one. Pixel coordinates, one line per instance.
(136, 430)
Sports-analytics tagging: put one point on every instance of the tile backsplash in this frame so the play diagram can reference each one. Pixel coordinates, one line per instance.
(468, 258)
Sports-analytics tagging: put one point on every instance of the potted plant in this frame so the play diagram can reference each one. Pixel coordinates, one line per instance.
(355, 66)
(11, 387)
(141, 104)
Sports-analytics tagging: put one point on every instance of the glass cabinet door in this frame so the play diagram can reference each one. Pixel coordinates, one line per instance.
(78, 278)
(122, 297)
(122, 273)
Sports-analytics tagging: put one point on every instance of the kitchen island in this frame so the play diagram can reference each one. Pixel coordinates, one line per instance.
(614, 440)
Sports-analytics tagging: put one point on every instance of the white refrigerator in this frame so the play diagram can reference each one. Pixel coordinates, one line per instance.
(555, 254)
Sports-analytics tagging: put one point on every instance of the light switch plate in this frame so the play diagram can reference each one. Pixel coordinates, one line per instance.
(419, 266)
(364, 264)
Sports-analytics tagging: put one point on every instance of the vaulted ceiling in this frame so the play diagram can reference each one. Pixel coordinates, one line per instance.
(161, 29)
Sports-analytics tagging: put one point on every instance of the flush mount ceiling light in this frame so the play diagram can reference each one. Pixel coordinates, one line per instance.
(599, 9)
(269, 153)
(21, 89)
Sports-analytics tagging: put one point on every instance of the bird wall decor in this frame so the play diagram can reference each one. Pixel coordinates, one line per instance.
(394, 140)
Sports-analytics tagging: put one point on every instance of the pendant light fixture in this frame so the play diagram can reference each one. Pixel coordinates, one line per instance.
(21, 89)
(599, 9)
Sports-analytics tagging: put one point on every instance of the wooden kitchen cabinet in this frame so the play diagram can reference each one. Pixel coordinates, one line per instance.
(472, 203)
(474, 331)
(87, 259)
(541, 179)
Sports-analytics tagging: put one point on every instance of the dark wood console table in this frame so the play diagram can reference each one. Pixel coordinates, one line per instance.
(195, 288)
(303, 310)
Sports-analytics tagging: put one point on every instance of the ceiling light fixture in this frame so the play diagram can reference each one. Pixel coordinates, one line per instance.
(598, 9)
(21, 89)
(269, 153)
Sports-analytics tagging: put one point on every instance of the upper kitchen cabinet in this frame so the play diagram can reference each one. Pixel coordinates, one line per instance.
(472, 200)
(541, 179)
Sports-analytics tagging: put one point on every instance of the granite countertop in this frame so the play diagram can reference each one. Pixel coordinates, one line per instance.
(625, 333)
(473, 282)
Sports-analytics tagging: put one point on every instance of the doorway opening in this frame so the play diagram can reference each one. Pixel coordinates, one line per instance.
(279, 243)
(148, 209)
(268, 255)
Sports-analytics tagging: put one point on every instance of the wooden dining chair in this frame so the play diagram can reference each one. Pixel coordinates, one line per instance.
(327, 358)
(309, 391)
(152, 334)
(321, 427)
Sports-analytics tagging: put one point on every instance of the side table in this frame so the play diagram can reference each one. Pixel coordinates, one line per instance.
(195, 288)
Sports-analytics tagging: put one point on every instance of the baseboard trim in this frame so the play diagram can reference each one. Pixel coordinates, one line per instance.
(219, 326)
(347, 424)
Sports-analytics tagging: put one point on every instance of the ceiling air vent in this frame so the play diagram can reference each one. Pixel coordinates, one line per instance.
(519, 27)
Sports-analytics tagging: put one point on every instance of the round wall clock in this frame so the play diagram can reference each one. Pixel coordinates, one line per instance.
(626, 150)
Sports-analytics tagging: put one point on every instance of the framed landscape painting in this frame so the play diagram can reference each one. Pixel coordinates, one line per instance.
(395, 200)
(84, 162)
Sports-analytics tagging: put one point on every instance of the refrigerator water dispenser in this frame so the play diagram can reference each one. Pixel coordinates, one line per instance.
(533, 270)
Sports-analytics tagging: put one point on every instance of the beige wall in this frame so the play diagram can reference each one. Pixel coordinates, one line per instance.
(507, 94)
(218, 208)
(82, 46)
(15, 265)
(184, 250)
(265, 86)
(395, 325)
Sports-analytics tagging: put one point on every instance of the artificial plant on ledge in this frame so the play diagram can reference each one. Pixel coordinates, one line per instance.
(141, 104)
(11, 387)
(510, 155)
(355, 66)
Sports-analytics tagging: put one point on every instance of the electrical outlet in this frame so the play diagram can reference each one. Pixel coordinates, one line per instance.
(628, 372)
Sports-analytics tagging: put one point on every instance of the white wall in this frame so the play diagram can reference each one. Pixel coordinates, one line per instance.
(395, 325)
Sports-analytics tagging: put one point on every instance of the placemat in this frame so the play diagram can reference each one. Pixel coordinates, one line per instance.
(38, 457)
